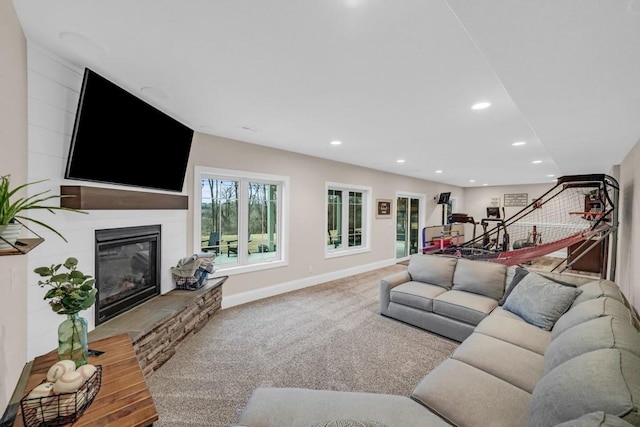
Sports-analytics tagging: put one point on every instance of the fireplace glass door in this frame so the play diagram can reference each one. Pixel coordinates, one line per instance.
(127, 269)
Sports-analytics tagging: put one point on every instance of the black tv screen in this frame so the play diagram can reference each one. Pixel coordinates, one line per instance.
(120, 139)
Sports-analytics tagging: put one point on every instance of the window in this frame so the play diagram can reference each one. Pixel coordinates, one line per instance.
(240, 218)
(348, 218)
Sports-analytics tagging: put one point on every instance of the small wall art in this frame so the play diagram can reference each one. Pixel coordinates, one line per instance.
(384, 208)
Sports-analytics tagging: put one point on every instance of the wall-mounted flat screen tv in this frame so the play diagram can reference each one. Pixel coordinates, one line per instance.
(120, 139)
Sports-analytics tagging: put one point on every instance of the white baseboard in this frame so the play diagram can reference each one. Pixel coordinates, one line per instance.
(281, 288)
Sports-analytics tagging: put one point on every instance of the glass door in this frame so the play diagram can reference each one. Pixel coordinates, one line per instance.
(407, 226)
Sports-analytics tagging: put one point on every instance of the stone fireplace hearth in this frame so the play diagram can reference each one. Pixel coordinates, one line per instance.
(157, 326)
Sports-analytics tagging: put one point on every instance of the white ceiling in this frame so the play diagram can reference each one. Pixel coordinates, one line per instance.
(391, 79)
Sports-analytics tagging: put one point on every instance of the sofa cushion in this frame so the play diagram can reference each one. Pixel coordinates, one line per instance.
(464, 306)
(596, 419)
(513, 364)
(490, 401)
(602, 332)
(273, 406)
(433, 269)
(418, 295)
(540, 301)
(517, 277)
(601, 380)
(591, 309)
(514, 330)
(480, 277)
(599, 289)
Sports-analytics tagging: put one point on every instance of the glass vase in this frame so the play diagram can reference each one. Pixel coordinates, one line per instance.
(73, 343)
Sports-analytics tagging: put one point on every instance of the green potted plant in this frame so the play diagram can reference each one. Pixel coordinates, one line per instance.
(12, 208)
(70, 292)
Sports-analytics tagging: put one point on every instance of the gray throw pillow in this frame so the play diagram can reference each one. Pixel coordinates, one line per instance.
(540, 301)
(554, 279)
(517, 277)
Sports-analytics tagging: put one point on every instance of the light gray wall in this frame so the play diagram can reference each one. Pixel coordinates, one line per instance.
(477, 199)
(13, 161)
(307, 231)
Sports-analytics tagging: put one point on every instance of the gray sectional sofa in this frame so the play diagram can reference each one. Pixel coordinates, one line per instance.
(533, 352)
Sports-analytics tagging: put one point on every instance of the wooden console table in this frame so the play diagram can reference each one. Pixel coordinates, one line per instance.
(124, 399)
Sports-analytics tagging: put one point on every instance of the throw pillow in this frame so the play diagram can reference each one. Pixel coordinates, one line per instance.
(348, 423)
(540, 301)
(562, 282)
(520, 273)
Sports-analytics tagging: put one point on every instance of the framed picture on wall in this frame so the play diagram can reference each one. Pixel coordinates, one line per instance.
(383, 208)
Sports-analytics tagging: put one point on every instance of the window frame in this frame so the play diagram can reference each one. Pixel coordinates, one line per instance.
(282, 221)
(367, 215)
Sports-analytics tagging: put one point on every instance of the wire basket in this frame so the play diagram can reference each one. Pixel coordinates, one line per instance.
(61, 409)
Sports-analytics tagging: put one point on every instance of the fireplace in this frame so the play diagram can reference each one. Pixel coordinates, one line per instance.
(127, 269)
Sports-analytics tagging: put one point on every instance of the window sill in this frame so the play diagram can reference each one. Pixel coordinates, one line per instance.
(240, 269)
(346, 252)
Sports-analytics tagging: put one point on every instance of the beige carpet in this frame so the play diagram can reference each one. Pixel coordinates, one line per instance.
(329, 336)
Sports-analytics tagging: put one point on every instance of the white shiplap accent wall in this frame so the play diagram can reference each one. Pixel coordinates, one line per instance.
(54, 87)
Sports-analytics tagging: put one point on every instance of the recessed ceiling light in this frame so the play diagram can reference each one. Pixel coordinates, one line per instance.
(400, 161)
(438, 171)
(485, 184)
(535, 162)
(480, 105)
(472, 180)
(550, 175)
(519, 143)
(336, 142)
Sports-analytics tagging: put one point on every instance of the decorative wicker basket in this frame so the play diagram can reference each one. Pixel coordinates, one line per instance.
(61, 409)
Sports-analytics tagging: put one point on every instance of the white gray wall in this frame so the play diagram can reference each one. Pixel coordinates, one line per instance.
(54, 87)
